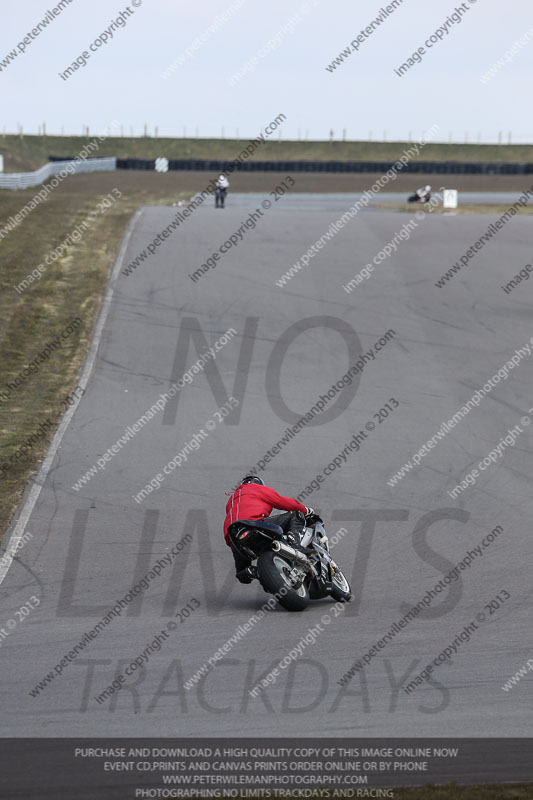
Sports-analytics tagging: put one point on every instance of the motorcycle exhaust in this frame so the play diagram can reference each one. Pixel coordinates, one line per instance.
(290, 552)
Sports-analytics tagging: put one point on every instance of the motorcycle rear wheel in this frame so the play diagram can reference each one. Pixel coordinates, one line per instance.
(273, 572)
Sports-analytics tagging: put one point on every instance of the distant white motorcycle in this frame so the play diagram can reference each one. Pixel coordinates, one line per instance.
(221, 189)
(422, 195)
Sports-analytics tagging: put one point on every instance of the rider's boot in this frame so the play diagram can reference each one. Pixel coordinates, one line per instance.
(294, 541)
(247, 575)
(295, 532)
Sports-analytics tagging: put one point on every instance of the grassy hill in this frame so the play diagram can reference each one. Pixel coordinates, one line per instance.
(30, 152)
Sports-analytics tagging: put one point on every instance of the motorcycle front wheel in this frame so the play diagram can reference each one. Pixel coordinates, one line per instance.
(274, 576)
(340, 588)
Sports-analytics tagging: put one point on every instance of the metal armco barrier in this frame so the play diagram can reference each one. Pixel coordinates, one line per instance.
(25, 180)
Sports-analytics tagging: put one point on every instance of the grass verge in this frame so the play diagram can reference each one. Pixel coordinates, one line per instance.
(69, 289)
(496, 209)
(30, 152)
(517, 791)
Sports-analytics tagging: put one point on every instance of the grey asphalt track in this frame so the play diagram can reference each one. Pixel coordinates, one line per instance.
(91, 546)
(307, 201)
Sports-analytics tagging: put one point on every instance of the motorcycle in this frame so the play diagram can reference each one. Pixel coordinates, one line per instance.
(292, 576)
(415, 198)
(220, 196)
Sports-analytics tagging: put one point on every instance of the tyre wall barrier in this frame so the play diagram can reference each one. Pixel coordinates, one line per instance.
(24, 180)
(426, 167)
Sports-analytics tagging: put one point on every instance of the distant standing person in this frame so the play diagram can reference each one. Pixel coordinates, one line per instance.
(221, 189)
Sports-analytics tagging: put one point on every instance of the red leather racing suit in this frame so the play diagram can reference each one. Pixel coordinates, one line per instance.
(253, 501)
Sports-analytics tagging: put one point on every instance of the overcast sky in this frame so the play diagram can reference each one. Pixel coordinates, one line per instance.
(123, 78)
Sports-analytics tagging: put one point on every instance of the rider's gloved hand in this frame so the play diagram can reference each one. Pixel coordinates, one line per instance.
(309, 511)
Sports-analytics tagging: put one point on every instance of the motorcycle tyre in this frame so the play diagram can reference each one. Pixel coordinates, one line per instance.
(338, 594)
(272, 582)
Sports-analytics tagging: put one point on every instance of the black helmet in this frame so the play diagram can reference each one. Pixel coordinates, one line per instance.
(253, 479)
